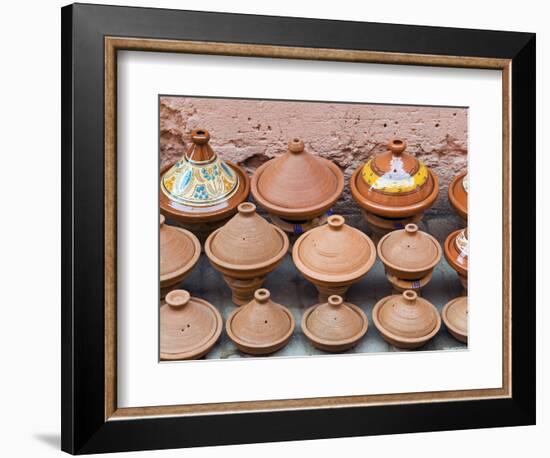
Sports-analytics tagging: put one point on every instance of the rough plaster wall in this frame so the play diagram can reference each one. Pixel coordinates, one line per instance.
(250, 132)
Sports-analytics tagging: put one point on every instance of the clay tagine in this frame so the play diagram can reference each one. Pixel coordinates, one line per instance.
(456, 254)
(409, 256)
(458, 195)
(455, 317)
(406, 320)
(333, 256)
(245, 250)
(189, 326)
(335, 325)
(179, 252)
(393, 189)
(201, 191)
(261, 326)
(297, 189)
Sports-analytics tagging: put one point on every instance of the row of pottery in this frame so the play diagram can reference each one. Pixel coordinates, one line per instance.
(297, 189)
(190, 327)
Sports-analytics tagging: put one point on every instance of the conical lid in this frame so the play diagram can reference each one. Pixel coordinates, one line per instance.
(245, 240)
(334, 252)
(189, 326)
(458, 194)
(334, 322)
(456, 250)
(200, 178)
(179, 252)
(409, 250)
(297, 183)
(394, 183)
(261, 323)
(455, 317)
(406, 317)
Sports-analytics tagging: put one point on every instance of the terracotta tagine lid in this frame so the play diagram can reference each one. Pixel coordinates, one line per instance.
(247, 242)
(406, 320)
(201, 187)
(261, 326)
(335, 325)
(394, 184)
(458, 194)
(456, 251)
(179, 252)
(189, 326)
(455, 317)
(410, 253)
(297, 185)
(334, 252)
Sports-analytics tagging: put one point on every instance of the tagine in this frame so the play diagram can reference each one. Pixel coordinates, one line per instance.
(179, 252)
(335, 325)
(456, 254)
(333, 256)
(409, 256)
(297, 189)
(455, 317)
(406, 321)
(189, 326)
(201, 191)
(261, 326)
(245, 250)
(393, 189)
(458, 195)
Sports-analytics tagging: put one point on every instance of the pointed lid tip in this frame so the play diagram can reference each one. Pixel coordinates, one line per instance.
(246, 208)
(397, 146)
(336, 221)
(296, 145)
(262, 295)
(410, 296)
(335, 300)
(200, 136)
(178, 298)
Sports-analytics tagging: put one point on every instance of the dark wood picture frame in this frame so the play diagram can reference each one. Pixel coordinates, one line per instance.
(91, 37)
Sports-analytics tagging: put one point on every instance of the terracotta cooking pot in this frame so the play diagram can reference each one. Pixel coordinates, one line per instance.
(245, 250)
(335, 325)
(456, 254)
(189, 326)
(179, 252)
(261, 326)
(406, 321)
(455, 317)
(458, 195)
(333, 256)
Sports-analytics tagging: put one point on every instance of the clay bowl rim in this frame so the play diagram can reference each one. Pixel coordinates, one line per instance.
(393, 212)
(335, 343)
(241, 343)
(394, 268)
(328, 278)
(192, 217)
(251, 267)
(446, 250)
(404, 340)
(204, 348)
(453, 329)
(457, 180)
(396, 281)
(297, 213)
(183, 271)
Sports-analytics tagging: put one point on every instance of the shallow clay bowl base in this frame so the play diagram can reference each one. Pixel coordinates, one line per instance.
(455, 317)
(400, 286)
(382, 226)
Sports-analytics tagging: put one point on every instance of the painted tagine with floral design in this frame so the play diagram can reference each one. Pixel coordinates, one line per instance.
(456, 254)
(393, 189)
(297, 189)
(455, 317)
(458, 195)
(201, 191)
(245, 250)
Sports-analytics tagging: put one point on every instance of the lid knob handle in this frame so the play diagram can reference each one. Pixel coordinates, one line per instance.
(411, 229)
(410, 296)
(246, 208)
(336, 221)
(262, 295)
(177, 298)
(397, 146)
(296, 145)
(335, 300)
(200, 136)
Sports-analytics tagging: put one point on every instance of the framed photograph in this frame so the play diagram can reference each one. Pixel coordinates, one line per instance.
(282, 228)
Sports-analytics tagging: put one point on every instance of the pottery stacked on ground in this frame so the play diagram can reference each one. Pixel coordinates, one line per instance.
(201, 192)
(393, 189)
(297, 189)
(245, 250)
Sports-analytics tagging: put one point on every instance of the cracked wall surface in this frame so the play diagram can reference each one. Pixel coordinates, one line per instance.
(250, 132)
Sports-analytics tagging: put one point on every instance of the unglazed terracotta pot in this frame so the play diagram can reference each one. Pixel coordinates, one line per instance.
(394, 187)
(261, 326)
(201, 191)
(179, 252)
(455, 317)
(409, 257)
(189, 326)
(335, 325)
(406, 320)
(333, 256)
(458, 195)
(297, 188)
(245, 250)
(456, 254)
